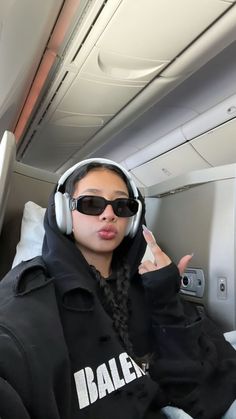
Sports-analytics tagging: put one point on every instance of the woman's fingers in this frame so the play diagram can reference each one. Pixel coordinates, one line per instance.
(146, 266)
(160, 258)
(183, 263)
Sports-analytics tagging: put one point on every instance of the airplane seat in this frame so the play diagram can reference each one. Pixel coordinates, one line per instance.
(7, 159)
(27, 184)
(9, 237)
(7, 162)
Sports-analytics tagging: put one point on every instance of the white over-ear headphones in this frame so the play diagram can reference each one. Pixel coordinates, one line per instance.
(62, 200)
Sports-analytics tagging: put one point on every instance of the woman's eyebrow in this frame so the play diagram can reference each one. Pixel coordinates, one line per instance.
(121, 193)
(96, 191)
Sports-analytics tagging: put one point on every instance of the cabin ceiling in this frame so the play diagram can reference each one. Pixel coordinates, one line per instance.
(127, 74)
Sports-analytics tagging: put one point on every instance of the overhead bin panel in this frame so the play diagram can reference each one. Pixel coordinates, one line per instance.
(141, 28)
(169, 165)
(60, 140)
(218, 146)
(71, 119)
(126, 47)
(132, 49)
(104, 64)
(90, 97)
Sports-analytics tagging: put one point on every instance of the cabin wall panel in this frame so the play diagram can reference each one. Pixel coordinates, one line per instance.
(201, 220)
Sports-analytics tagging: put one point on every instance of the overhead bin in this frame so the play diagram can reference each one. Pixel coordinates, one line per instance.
(169, 165)
(61, 139)
(211, 118)
(133, 48)
(138, 30)
(162, 145)
(218, 146)
(90, 97)
(127, 45)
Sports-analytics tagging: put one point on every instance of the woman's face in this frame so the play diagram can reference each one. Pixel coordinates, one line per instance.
(99, 234)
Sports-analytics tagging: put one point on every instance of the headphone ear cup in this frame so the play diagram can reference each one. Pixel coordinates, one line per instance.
(63, 212)
(134, 222)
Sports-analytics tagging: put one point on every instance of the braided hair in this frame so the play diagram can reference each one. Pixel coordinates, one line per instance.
(116, 302)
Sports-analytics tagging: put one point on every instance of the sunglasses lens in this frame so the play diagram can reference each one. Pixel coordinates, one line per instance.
(125, 207)
(91, 205)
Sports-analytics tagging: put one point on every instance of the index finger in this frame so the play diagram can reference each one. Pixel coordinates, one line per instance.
(160, 258)
(150, 239)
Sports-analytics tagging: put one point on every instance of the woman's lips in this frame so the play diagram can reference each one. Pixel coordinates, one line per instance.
(107, 233)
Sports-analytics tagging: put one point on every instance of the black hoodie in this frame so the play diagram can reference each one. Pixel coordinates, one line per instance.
(61, 358)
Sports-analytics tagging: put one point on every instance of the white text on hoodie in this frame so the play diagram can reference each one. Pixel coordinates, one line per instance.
(92, 385)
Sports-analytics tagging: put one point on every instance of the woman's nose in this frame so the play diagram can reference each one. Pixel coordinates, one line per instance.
(108, 213)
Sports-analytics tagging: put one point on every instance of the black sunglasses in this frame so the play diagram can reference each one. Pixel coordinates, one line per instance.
(95, 205)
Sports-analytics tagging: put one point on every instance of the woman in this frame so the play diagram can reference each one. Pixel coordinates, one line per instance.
(94, 333)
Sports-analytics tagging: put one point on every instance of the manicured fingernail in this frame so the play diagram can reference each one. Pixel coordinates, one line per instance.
(145, 228)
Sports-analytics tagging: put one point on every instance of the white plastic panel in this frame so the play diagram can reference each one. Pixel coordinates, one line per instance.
(112, 66)
(155, 149)
(218, 146)
(122, 119)
(199, 91)
(169, 165)
(209, 44)
(214, 116)
(87, 96)
(126, 52)
(134, 31)
(25, 27)
(69, 119)
(127, 44)
(55, 144)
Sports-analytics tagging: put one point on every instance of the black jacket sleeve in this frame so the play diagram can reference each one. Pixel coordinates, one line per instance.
(14, 380)
(161, 288)
(175, 335)
(11, 405)
(191, 359)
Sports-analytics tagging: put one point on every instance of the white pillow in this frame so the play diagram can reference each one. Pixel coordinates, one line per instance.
(32, 233)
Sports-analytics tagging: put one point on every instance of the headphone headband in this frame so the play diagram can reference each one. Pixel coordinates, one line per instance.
(68, 172)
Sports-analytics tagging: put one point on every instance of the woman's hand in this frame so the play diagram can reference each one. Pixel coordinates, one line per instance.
(160, 259)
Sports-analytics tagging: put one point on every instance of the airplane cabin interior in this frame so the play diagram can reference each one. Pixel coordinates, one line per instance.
(150, 84)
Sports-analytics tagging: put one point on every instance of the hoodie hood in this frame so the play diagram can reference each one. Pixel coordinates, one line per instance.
(63, 257)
